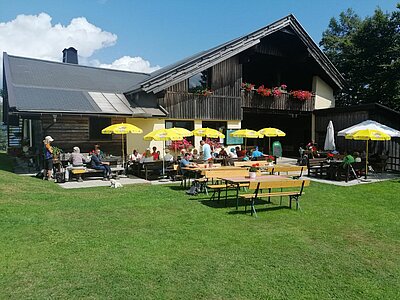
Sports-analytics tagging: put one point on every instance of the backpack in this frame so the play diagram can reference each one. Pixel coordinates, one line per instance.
(60, 177)
(194, 190)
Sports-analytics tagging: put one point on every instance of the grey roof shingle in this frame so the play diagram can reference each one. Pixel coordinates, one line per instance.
(35, 72)
(47, 86)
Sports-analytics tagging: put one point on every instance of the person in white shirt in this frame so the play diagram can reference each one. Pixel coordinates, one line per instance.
(206, 149)
(168, 156)
(232, 153)
(135, 156)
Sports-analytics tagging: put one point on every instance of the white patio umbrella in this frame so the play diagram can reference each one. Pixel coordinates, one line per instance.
(371, 125)
(330, 137)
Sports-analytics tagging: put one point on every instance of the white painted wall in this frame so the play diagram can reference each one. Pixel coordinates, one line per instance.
(136, 141)
(323, 94)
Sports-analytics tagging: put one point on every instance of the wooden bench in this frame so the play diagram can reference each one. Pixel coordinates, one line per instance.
(152, 168)
(219, 186)
(286, 169)
(296, 189)
(79, 172)
(317, 166)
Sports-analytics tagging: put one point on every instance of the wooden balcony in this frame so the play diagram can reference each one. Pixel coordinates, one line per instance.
(181, 105)
(283, 102)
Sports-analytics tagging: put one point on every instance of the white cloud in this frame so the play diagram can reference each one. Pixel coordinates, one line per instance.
(35, 36)
(128, 63)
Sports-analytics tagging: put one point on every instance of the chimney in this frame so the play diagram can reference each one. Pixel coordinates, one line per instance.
(70, 55)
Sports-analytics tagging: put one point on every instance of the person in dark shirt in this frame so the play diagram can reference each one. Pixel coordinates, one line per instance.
(97, 164)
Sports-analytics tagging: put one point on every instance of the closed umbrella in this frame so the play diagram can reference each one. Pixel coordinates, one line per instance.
(330, 137)
(368, 135)
(122, 128)
(271, 132)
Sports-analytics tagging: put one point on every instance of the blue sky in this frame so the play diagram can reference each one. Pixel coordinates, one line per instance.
(163, 32)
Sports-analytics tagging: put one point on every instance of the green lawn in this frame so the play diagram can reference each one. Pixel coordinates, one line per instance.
(154, 242)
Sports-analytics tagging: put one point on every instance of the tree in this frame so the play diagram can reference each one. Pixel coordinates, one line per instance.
(366, 52)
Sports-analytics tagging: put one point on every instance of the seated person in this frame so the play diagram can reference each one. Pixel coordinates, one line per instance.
(147, 156)
(155, 154)
(195, 154)
(256, 153)
(168, 156)
(97, 164)
(97, 147)
(348, 160)
(76, 158)
(222, 153)
(232, 153)
(135, 156)
(240, 153)
(186, 163)
(357, 157)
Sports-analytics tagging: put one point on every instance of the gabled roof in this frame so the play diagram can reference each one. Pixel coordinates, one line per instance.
(35, 85)
(172, 74)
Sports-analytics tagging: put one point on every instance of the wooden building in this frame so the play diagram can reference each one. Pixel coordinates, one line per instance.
(344, 117)
(72, 102)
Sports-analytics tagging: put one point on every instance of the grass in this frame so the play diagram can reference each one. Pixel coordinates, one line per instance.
(154, 242)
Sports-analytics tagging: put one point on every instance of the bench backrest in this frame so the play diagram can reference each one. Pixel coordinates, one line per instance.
(225, 173)
(279, 169)
(249, 163)
(154, 165)
(279, 184)
(315, 161)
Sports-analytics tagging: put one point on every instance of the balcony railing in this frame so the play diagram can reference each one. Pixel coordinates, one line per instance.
(181, 105)
(283, 102)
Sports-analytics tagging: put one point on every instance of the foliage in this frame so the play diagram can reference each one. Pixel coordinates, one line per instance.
(155, 242)
(301, 95)
(180, 145)
(56, 151)
(367, 53)
(203, 92)
(254, 167)
(270, 158)
(248, 87)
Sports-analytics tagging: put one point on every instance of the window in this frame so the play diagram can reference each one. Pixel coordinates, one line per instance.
(200, 81)
(95, 127)
(218, 125)
(189, 125)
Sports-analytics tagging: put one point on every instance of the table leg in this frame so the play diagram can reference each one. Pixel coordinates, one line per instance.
(237, 196)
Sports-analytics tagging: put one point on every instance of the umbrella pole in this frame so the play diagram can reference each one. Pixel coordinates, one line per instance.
(366, 162)
(163, 166)
(269, 145)
(123, 151)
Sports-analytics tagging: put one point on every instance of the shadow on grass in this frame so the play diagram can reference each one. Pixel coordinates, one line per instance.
(258, 210)
(6, 162)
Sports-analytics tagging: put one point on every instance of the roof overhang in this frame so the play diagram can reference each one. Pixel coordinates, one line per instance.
(204, 60)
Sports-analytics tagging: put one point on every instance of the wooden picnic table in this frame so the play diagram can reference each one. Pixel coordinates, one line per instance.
(237, 180)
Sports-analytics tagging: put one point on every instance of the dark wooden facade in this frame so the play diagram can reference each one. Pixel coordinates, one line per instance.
(345, 117)
(227, 99)
(70, 131)
(283, 102)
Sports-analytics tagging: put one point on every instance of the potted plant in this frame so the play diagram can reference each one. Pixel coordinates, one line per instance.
(270, 160)
(210, 162)
(253, 171)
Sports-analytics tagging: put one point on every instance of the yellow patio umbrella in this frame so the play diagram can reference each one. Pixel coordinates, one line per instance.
(246, 133)
(271, 132)
(368, 135)
(122, 128)
(163, 135)
(182, 131)
(208, 132)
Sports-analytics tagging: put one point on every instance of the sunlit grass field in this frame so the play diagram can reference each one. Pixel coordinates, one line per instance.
(155, 242)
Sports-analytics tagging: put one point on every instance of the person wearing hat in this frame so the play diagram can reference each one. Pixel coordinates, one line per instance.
(48, 157)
